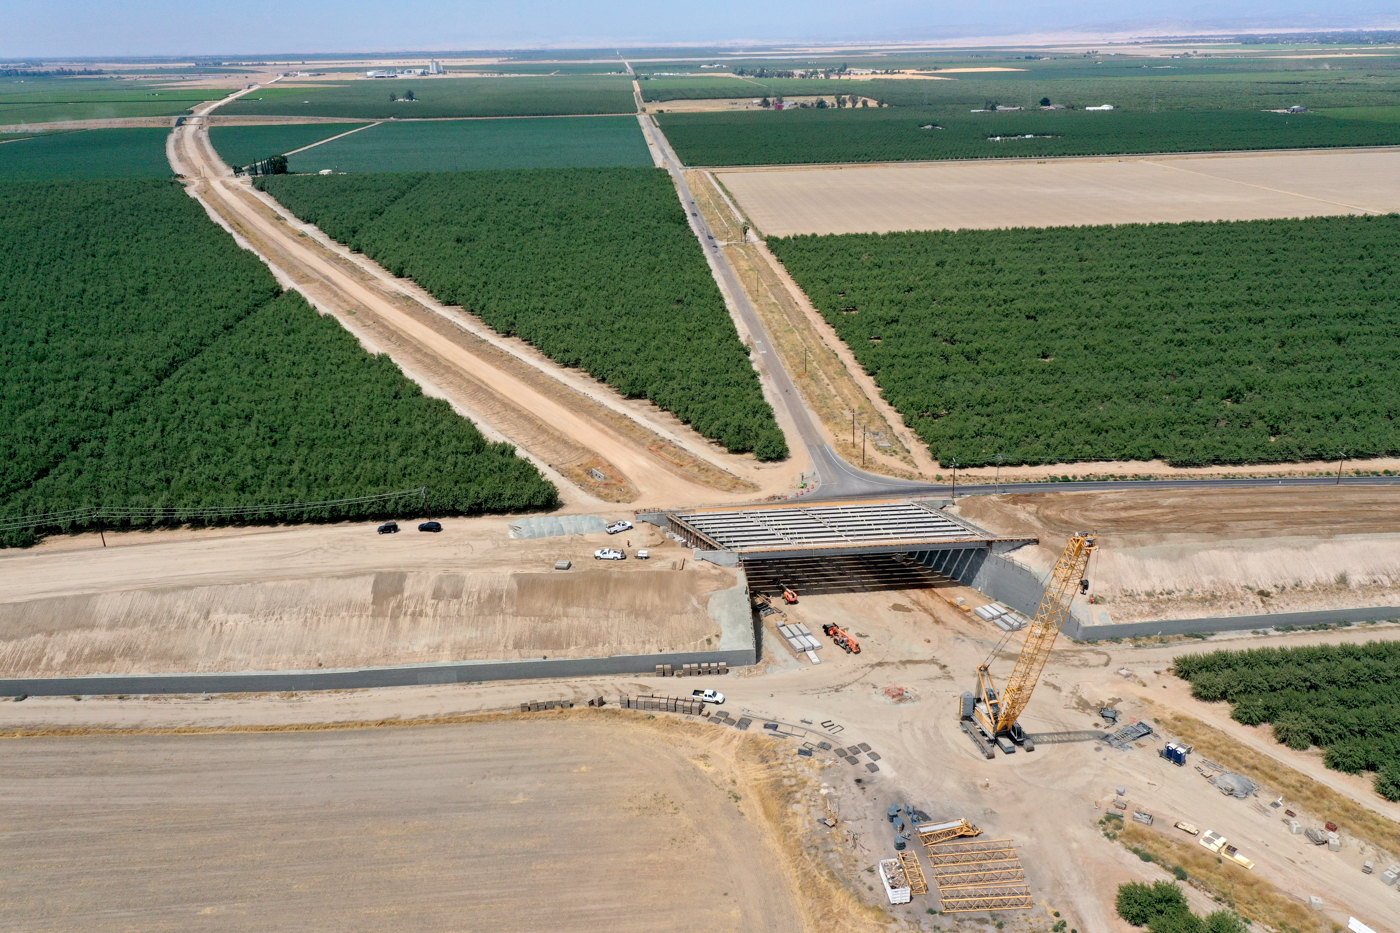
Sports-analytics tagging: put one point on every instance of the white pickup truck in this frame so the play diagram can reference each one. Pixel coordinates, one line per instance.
(709, 696)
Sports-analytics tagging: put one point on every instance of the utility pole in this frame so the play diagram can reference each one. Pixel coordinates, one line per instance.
(955, 478)
(998, 474)
(853, 429)
(863, 435)
(1341, 458)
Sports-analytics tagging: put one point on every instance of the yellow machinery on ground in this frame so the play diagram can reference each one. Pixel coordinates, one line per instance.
(990, 718)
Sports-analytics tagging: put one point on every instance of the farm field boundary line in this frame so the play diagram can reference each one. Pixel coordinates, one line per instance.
(322, 142)
(1295, 194)
(647, 461)
(275, 120)
(1126, 157)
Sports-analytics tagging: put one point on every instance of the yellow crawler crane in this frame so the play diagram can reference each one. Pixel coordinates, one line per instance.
(994, 715)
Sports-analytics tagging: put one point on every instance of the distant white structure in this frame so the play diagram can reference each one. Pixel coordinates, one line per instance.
(435, 68)
(391, 73)
(1101, 107)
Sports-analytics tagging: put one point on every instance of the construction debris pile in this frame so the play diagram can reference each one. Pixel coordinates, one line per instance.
(1236, 785)
(1125, 736)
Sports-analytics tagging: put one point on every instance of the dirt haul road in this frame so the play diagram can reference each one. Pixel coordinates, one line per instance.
(568, 424)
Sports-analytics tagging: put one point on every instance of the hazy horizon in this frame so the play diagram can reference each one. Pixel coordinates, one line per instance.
(164, 28)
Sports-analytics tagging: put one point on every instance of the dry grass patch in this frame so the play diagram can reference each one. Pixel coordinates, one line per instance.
(1352, 816)
(1231, 885)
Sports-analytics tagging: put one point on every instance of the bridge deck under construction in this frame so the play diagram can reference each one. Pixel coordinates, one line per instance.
(769, 532)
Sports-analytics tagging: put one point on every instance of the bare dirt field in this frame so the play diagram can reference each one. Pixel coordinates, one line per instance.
(1215, 552)
(339, 596)
(488, 826)
(1066, 192)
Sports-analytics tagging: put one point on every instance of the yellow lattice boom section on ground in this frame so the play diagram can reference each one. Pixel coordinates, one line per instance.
(913, 872)
(980, 876)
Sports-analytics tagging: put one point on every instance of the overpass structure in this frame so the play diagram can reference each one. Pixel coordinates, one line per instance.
(787, 531)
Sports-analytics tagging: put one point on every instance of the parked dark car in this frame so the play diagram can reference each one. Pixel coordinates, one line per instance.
(388, 528)
(430, 526)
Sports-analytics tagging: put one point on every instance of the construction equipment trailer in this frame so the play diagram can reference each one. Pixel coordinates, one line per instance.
(990, 718)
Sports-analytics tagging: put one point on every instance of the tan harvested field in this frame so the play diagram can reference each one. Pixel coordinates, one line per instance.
(338, 596)
(1065, 192)
(517, 825)
(1178, 554)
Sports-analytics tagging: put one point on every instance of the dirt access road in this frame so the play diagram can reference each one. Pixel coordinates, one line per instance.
(568, 424)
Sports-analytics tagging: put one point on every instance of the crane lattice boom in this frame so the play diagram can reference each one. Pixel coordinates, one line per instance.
(1003, 711)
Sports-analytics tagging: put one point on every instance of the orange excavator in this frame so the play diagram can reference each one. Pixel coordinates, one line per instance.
(842, 638)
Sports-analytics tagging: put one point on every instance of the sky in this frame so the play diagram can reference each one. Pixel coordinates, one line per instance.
(40, 29)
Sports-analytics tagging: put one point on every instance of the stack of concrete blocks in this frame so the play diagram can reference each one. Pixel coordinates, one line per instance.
(703, 668)
(535, 706)
(1391, 874)
(692, 706)
(1005, 619)
(800, 639)
(1334, 842)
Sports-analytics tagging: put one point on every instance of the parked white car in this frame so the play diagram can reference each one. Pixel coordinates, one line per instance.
(709, 696)
(619, 527)
(609, 553)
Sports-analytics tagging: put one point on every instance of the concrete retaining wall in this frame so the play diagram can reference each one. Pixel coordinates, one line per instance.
(1016, 586)
(730, 609)
(1228, 623)
(1003, 580)
(354, 679)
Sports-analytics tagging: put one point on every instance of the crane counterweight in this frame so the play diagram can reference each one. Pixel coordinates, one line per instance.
(996, 714)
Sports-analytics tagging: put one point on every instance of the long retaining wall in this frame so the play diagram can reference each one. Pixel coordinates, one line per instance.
(360, 678)
(1228, 623)
(1016, 586)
